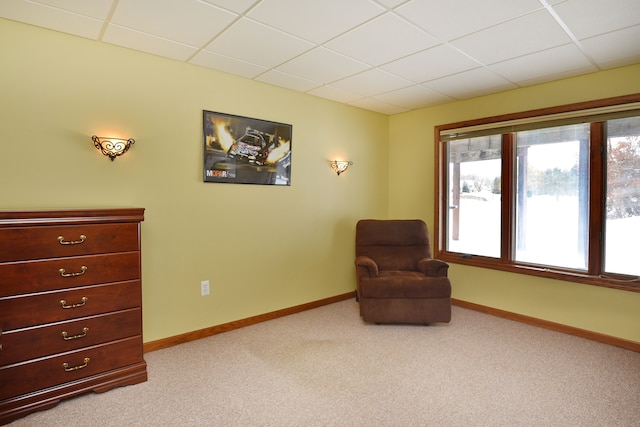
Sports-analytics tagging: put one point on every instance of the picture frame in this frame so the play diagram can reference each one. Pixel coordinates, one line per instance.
(244, 150)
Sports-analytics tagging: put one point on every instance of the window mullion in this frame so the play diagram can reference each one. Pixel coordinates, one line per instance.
(596, 199)
(507, 192)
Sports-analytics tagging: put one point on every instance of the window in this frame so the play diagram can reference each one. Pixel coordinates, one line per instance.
(474, 195)
(552, 192)
(622, 227)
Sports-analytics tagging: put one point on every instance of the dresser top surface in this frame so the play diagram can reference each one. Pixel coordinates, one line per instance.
(13, 218)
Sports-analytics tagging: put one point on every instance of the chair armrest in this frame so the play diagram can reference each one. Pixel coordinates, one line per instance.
(433, 267)
(366, 267)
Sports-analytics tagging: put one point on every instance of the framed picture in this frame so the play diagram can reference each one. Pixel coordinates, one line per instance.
(242, 150)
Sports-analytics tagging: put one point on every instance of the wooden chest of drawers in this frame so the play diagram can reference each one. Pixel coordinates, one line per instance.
(70, 305)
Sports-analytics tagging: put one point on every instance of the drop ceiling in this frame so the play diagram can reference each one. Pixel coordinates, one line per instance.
(388, 56)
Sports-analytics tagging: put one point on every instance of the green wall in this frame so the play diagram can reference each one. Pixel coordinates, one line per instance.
(263, 248)
(411, 194)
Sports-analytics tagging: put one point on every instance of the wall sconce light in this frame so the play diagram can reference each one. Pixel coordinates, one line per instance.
(340, 166)
(112, 147)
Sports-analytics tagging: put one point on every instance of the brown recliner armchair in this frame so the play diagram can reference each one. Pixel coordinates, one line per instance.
(397, 280)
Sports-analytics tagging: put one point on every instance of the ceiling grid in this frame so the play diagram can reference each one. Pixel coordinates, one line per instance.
(388, 56)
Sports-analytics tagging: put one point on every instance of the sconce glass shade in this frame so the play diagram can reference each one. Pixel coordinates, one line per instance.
(340, 166)
(112, 147)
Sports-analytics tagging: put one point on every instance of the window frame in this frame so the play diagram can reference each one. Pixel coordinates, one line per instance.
(594, 274)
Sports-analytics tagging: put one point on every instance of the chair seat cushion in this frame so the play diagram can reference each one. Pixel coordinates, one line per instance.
(404, 284)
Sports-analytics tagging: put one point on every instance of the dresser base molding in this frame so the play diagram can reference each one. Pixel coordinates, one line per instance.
(14, 408)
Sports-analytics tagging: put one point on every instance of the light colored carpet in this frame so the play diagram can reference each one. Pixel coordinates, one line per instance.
(325, 367)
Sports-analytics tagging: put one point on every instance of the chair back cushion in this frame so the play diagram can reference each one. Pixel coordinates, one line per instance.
(395, 244)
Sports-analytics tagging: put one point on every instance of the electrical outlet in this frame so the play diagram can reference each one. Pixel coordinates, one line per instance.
(204, 288)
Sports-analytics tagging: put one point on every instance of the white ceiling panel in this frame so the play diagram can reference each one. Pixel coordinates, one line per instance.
(371, 43)
(334, 94)
(95, 8)
(384, 55)
(52, 18)
(525, 35)
(470, 84)
(376, 105)
(372, 82)
(278, 78)
(262, 45)
(615, 49)
(588, 18)
(323, 65)
(528, 69)
(115, 34)
(316, 21)
(391, 3)
(189, 21)
(431, 64)
(226, 64)
(237, 6)
(450, 19)
(413, 97)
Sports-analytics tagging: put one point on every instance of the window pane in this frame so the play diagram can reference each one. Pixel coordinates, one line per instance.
(552, 206)
(474, 181)
(622, 227)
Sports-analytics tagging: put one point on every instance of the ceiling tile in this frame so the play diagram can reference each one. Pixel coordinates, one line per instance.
(528, 34)
(261, 45)
(543, 66)
(334, 94)
(391, 3)
(371, 82)
(450, 19)
(614, 49)
(144, 42)
(322, 65)
(237, 6)
(382, 40)
(288, 81)
(431, 64)
(186, 21)
(53, 18)
(96, 8)
(412, 97)
(316, 21)
(226, 64)
(379, 106)
(587, 18)
(470, 84)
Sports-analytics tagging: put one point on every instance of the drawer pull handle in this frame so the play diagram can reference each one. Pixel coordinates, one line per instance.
(63, 303)
(66, 336)
(71, 242)
(75, 368)
(64, 273)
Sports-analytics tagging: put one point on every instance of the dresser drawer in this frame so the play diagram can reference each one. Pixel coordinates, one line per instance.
(21, 243)
(46, 307)
(30, 343)
(24, 277)
(39, 374)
